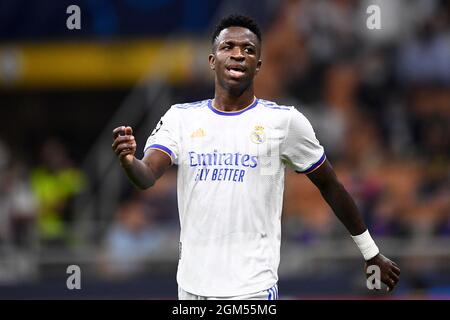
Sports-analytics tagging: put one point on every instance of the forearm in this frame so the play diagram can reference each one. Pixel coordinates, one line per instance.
(344, 207)
(139, 174)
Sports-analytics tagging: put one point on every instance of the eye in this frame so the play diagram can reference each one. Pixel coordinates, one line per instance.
(249, 50)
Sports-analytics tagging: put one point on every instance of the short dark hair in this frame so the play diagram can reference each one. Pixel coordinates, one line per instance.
(236, 20)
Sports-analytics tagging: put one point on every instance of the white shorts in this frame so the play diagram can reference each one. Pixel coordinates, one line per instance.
(269, 294)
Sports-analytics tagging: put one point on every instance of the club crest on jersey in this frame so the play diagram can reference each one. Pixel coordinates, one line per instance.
(258, 135)
(199, 133)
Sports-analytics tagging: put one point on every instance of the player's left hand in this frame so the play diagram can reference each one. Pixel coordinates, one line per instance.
(389, 270)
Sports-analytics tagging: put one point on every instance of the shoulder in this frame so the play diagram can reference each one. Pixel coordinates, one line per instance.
(270, 105)
(289, 115)
(277, 112)
(190, 105)
(290, 111)
(185, 109)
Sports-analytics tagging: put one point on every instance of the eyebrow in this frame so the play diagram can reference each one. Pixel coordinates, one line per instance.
(244, 43)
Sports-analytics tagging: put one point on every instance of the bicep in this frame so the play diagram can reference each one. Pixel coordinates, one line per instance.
(324, 176)
(158, 162)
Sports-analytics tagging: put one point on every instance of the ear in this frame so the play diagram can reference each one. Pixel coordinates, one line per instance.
(258, 66)
(212, 61)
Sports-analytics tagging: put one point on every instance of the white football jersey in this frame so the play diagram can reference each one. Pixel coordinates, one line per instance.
(230, 189)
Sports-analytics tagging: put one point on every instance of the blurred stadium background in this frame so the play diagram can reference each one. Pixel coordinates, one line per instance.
(379, 100)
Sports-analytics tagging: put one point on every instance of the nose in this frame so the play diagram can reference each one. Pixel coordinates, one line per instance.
(237, 54)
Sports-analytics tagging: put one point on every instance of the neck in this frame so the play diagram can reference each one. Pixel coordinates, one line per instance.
(227, 100)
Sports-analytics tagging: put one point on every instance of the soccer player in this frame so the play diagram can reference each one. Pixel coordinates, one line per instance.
(231, 153)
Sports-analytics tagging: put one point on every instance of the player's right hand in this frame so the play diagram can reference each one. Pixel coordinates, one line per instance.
(124, 144)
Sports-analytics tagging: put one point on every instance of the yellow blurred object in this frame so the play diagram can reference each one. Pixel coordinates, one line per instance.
(85, 64)
(53, 190)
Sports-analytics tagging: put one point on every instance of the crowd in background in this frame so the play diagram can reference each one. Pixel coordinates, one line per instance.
(380, 104)
(379, 101)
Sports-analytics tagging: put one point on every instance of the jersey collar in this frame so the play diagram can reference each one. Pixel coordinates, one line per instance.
(231, 113)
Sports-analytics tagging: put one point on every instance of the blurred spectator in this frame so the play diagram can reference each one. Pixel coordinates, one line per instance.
(55, 181)
(22, 206)
(17, 203)
(18, 213)
(281, 65)
(4, 213)
(329, 28)
(306, 216)
(429, 121)
(426, 57)
(131, 241)
(161, 200)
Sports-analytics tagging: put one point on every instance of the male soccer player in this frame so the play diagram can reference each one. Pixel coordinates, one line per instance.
(231, 153)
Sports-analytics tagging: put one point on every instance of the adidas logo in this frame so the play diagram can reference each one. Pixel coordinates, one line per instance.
(199, 133)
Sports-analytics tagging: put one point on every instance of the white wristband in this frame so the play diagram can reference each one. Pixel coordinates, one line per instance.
(366, 245)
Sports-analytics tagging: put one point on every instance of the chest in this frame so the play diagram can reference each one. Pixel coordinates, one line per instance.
(232, 134)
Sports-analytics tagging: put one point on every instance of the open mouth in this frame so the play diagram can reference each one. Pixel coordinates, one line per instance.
(236, 71)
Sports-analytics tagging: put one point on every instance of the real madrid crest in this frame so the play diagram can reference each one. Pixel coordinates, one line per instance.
(258, 135)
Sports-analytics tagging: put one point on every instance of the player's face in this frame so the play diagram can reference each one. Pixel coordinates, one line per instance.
(235, 57)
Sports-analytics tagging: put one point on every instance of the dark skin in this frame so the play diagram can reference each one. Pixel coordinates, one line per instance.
(235, 48)
(235, 59)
